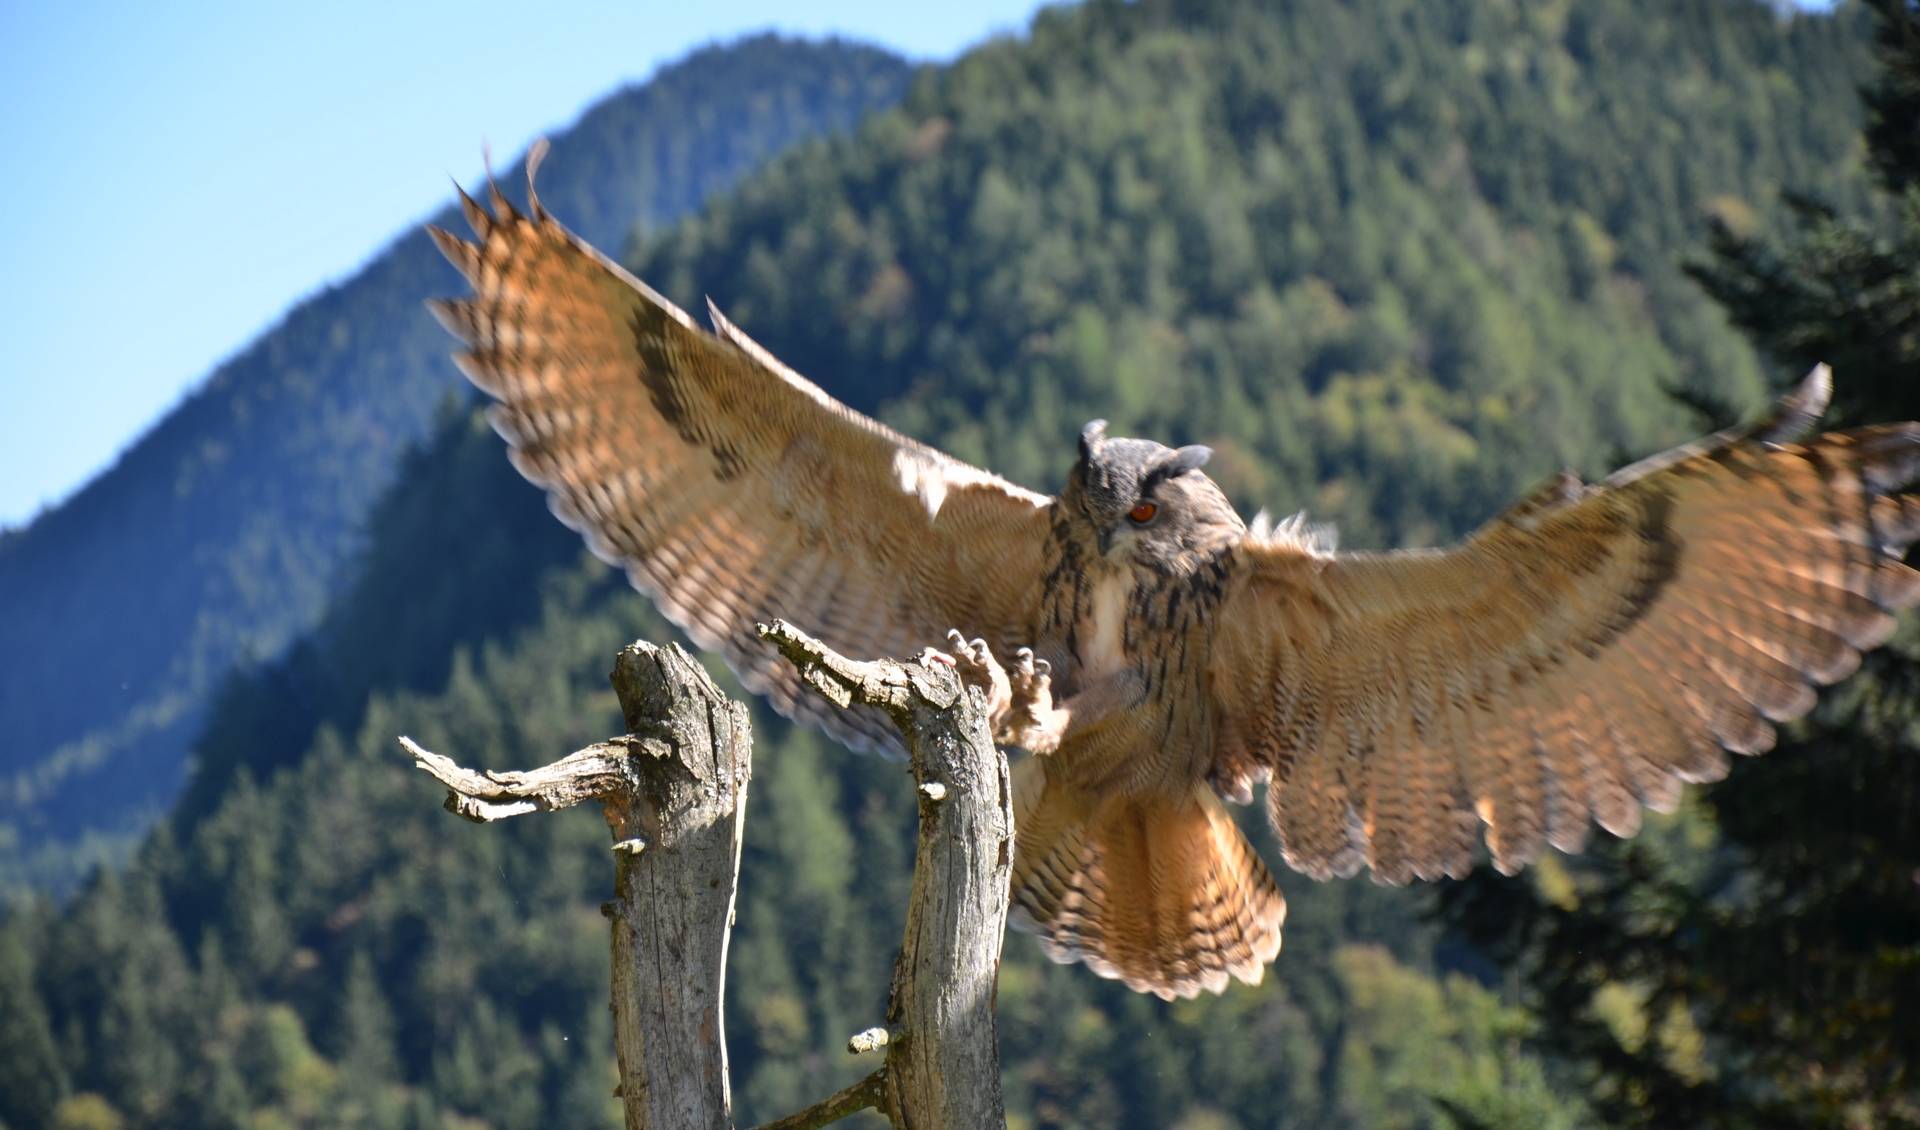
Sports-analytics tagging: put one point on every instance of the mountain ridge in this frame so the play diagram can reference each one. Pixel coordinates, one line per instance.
(217, 537)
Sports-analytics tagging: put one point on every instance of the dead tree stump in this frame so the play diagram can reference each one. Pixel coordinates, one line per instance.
(943, 1058)
(674, 794)
(674, 791)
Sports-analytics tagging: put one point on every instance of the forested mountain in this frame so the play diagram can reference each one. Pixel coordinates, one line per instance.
(221, 535)
(1771, 980)
(1394, 259)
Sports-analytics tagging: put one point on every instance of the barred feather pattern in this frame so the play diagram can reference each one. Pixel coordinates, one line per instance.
(1574, 661)
(1159, 891)
(730, 489)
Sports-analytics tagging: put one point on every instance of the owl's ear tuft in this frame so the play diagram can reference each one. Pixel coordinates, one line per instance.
(1174, 464)
(1092, 438)
(1189, 458)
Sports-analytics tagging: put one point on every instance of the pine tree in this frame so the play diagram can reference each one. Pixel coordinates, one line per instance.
(1893, 104)
(365, 1048)
(32, 1080)
(1790, 955)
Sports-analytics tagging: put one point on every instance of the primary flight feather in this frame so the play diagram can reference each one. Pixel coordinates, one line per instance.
(1571, 662)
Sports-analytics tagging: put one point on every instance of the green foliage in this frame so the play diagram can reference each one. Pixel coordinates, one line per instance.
(1759, 965)
(1393, 259)
(86, 1112)
(31, 1075)
(1893, 102)
(219, 538)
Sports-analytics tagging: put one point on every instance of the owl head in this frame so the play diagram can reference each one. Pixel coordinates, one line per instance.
(1147, 503)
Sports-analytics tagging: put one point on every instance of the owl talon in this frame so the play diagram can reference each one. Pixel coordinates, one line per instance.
(973, 659)
(1031, 678)
(1026, 663)
(1030, 721)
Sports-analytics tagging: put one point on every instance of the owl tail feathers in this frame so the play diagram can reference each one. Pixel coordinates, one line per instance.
(1163, 893)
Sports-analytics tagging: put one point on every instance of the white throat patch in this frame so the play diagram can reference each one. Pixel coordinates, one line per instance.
(1103, 649)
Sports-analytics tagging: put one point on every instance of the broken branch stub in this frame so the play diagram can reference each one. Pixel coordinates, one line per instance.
(673, 900)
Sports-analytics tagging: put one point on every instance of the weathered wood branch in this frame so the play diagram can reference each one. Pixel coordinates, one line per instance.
(674, 794)
(868, 1094)
(943, 1063)
(484, 796)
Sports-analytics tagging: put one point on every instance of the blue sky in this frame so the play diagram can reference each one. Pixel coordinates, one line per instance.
(177, 175)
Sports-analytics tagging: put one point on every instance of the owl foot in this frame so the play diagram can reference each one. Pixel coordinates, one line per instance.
(978, 668)
(1030, 722)
(1020, 707)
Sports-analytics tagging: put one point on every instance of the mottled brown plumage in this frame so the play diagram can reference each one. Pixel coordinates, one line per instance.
(1573, 661)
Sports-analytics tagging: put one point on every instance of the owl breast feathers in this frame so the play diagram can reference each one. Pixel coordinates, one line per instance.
(1572, 662)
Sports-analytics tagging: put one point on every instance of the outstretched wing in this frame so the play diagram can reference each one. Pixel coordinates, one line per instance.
(1580, 655)
(731, 489)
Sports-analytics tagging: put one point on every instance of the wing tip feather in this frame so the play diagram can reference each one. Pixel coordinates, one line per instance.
(1796, 412)
(465, 256)
(484, 375)
(536, 154)
(476, 216)
(456, 316)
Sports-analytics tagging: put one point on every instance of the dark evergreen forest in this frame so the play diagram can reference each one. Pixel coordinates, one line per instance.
(1758, 962)
(1395, 260)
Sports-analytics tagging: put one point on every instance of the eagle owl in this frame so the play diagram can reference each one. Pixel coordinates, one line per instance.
(1572, 662)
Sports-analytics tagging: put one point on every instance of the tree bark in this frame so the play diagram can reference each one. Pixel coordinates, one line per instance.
(676, 871)
(674, 795)
(943, 1060)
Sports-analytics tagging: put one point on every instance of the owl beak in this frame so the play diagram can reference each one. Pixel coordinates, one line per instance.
(1106, 541)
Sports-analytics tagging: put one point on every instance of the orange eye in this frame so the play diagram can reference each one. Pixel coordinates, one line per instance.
(1143, 513)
